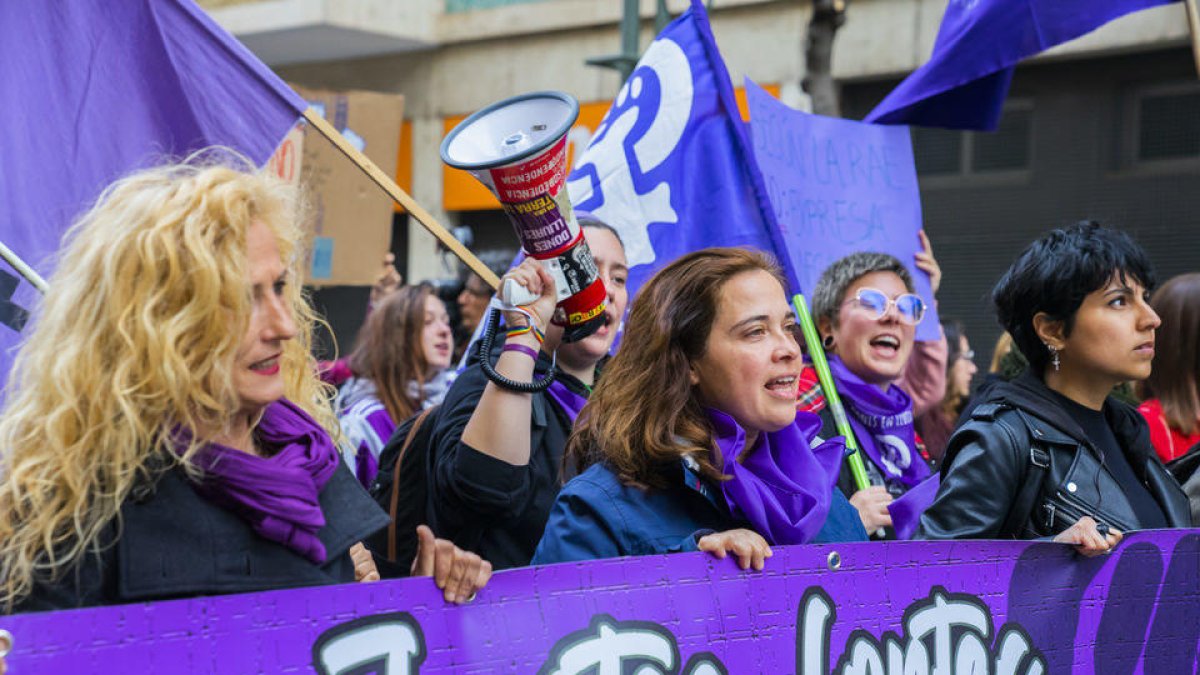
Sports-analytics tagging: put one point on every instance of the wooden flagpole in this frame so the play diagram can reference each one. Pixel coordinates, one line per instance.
(397, 193)
(19, 265)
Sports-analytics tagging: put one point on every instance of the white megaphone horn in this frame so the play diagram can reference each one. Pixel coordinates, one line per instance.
(518, 149)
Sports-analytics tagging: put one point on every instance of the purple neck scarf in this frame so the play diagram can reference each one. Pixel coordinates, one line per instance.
(570, 402)
(784, 485)
(276, 495)
(882, 423)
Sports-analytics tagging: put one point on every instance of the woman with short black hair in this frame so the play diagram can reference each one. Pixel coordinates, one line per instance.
(1051, 454)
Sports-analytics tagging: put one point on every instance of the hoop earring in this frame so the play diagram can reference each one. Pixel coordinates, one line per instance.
(827, 342)
(1053, 356)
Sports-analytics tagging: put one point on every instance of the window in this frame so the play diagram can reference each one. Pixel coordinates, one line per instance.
(943, 152)
(1168, 124)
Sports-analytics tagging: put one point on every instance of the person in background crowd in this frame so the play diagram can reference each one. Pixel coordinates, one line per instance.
(402, 365)
(166, 408)
(474, 297)
(336, 372)
(867, 312)
(1172, 408)
(497, 453)
(1052, 454)
(936, 425)
(692, 441)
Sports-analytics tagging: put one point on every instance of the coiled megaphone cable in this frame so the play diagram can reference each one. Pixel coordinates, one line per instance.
(485, 361)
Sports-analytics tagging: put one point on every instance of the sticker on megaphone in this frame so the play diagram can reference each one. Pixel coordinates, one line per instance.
(518, 149)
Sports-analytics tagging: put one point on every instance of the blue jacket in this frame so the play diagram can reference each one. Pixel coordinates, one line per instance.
(596, 516)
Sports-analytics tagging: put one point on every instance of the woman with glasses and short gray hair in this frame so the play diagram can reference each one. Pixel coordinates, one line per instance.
(867, 311)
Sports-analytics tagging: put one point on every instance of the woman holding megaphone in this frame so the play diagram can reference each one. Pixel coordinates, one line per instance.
(497, 452)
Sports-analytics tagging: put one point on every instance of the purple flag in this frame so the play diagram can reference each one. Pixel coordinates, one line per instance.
(670, 166)
(93, 90)
(965, 81)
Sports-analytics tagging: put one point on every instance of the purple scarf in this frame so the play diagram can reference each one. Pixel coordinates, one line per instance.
(570, 402)
(276, 495)
(882, 423)
(783, 486)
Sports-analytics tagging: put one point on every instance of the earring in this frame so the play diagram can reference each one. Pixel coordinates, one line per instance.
(827, 342)
(1053, 356)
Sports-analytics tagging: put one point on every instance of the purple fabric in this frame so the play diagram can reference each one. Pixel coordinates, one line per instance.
(965, 81)
(783, 486)
(277, 495)
(570, 402)
(94, 90)
(883, 425)
(906, 509)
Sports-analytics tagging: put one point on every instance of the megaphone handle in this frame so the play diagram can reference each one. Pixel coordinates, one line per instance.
(514, 294)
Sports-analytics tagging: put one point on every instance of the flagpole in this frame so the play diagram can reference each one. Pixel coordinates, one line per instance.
(1193, 15)
(817, 354)
(401, 197)
(19, 265)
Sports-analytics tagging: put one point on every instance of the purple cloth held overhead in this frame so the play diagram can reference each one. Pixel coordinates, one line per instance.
(980, 42)
(784, 485)
(277, 495)
(94, 90)
(883, 424)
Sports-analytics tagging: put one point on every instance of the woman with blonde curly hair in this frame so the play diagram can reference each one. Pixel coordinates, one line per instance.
(165, 407)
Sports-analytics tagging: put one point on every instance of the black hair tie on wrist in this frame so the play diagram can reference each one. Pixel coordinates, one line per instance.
(485, 355)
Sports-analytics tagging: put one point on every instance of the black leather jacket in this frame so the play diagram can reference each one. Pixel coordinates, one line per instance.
(988, 460)
(175, 544)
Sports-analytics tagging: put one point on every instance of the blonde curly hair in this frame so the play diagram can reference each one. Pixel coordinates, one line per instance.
(136, 338)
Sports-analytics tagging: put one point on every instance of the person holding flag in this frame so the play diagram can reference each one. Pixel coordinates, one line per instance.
(692, 441)
(867, 312)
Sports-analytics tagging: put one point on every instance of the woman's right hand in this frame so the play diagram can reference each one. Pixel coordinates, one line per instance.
(749, 547)
(1085, 536)
(530, 275)
(457, 573)
(872, 506)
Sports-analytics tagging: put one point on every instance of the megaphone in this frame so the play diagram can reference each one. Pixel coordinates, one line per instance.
(518, 149)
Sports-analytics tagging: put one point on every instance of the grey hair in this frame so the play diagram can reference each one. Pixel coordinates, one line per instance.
(838, 277)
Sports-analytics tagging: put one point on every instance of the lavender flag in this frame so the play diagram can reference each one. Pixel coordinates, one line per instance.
(93, 90)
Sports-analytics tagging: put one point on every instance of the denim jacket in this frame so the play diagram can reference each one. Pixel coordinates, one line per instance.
(596, 516)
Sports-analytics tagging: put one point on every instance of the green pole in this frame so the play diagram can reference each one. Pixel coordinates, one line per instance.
(817, 354)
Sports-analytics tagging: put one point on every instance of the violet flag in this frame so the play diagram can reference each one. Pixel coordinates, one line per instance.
(93, 90)
(980, 42)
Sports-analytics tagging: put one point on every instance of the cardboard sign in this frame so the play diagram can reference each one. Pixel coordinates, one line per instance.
(839, 187)
(1000, 607)
(350, 218)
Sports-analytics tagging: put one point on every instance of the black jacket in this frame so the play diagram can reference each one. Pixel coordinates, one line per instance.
(175, 544)
(487, 505)
(988, 460)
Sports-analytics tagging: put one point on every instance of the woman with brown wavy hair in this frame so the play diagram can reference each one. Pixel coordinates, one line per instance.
(401, 363)
(692, 440)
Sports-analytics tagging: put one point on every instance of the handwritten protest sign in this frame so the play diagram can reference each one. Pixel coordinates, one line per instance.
(1000, 607)
(837, 187)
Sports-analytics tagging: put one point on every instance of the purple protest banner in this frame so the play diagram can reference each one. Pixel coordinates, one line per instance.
(1004, 608)
(837, 187)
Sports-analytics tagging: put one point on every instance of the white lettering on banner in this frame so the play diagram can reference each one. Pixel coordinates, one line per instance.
(958, 626)
(624, 207)
(390, 644)
(610, 647)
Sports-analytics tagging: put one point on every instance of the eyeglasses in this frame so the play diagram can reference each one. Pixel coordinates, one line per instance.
(911, 307)
(968, 355)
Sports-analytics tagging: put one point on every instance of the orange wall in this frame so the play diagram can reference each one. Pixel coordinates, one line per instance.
(461, 192)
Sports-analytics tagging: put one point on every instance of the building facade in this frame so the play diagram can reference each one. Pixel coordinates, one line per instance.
(1106, 127)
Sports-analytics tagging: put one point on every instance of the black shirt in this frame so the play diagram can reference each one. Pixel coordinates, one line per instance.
(1094, 424)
